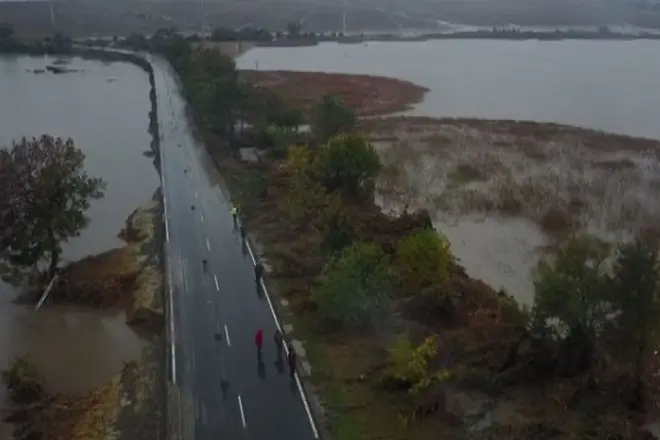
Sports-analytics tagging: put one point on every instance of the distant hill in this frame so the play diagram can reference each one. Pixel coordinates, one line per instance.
(112, 17)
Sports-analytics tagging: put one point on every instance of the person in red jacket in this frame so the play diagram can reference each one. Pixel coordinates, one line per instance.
(259, 340)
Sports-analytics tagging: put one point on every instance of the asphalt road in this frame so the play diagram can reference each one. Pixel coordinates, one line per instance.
(226, 390)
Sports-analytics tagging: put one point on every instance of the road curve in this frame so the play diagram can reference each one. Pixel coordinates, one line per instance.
(226, 390)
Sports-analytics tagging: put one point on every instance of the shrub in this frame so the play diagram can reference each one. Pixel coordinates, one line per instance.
(338, 233)
(571, 299)
(349, 163)
(410, 366)
(423, 260)
(356, 286)
(331, 117)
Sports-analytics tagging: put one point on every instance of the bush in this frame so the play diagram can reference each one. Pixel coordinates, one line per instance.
(331, 117)
(571, 301)
(348, 162)
(410, 366)
(337, 231)
(356, 286)
(423, 260)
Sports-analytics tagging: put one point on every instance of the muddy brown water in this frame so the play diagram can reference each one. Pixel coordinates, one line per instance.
(604, 85)
(104, 108)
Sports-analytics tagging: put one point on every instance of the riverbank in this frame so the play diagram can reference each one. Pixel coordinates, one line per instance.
(131, 403)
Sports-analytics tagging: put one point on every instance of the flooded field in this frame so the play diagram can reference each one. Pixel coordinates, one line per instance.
(104, 108)
(504, 192)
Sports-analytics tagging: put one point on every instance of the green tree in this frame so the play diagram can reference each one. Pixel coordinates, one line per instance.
(45, 195)
(303, 192)
(412, 366)
(423, 260)
(330, 117)
(355, 288)
(636, 295)
(337, 231)
(348, 162)
(571, 297)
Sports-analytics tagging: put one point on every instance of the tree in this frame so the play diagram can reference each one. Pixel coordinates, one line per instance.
(356, 286)
(636, 295)
(337, 231)
(330, 117)
(571, 294)
(302, 191)
(350, 163)
(423, 260)
(411, 366)
(45, 194)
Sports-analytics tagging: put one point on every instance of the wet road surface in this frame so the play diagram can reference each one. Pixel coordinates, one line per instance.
(226, 390)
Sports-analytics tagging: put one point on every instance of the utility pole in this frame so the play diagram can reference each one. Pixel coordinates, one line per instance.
(203, 18)
(53, 22)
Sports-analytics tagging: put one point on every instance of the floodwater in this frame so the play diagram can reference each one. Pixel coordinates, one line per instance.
(604, 85)
(104, 108)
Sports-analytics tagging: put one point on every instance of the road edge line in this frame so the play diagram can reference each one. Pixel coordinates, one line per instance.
(303, 394)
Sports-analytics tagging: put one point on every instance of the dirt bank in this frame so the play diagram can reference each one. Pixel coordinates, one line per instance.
(367, 95)
(505, 191)
(129, 277)
(131, 404)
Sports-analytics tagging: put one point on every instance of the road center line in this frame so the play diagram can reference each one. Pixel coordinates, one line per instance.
(227, 336)
(201, 216)
(208, 244)
(196, 195)
(217, 286)
(240, 406)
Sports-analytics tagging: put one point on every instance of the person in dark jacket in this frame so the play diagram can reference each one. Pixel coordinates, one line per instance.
(291, 358)
(258, 271)
(279, 340)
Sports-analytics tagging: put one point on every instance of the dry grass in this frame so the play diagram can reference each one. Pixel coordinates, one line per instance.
(100, 281)
(367, 95)
(562, 178)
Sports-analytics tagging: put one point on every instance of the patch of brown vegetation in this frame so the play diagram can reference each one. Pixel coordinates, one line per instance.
(100, 281)
(127, 276)
(367, 95)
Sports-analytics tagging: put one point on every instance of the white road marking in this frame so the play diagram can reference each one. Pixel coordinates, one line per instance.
(217, 286)
(208, 244)
(227, 336)
(172, 337)
(249, 248)
(167, 232)
(196, 195)
(201, 216)
(240, 406)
